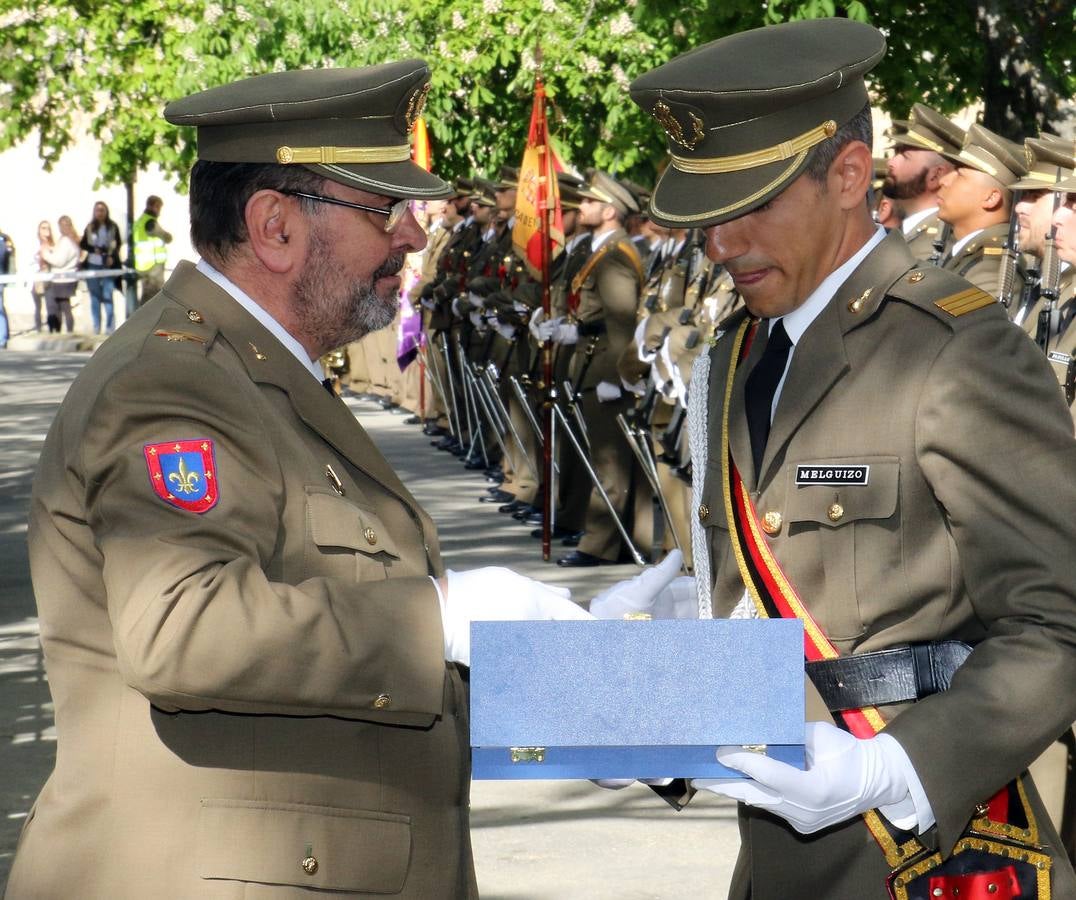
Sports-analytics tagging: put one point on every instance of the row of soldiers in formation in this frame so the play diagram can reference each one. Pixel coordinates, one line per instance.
(633, 304)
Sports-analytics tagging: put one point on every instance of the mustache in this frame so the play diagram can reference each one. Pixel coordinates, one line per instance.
(390, 266)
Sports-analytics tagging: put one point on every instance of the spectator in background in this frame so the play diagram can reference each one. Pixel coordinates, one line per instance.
(101, 241)
(38, 290)
(62, 257)
(7, 264)
(150, 253)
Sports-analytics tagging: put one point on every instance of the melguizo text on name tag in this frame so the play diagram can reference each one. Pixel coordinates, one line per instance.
(851, 473)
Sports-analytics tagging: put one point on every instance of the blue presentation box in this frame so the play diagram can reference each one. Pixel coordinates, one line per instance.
(633, 699)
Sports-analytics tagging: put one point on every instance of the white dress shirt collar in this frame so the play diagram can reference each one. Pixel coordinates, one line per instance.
(272, 325)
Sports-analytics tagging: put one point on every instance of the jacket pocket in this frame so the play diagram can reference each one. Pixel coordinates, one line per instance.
(320, 847)
(852, 508)
(340, 526)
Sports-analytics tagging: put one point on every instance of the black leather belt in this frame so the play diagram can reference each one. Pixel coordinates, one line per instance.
(900, 675)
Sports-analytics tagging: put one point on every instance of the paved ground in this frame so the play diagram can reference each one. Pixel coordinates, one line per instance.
(533, 841)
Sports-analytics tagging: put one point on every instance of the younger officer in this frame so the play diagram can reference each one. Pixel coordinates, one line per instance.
(250, 638)
(855, 434)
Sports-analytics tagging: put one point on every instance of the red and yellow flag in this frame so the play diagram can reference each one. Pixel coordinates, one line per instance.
(420, 145)
(538, 210)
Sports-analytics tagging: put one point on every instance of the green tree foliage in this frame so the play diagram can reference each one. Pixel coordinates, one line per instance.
(115, 64)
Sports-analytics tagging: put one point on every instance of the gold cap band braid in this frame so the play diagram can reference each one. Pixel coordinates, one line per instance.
(342, 155)
(922, 140)
(716, 165)
(978, 162)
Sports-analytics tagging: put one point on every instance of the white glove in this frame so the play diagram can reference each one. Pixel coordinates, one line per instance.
(505, 331)
(546, 330)
(476, 319)
(428, 303)
(638, 388)
(845, 776)
(495, 594)
(536, 319)
(656, 590)
(476, 301)
(456, 307)
(566, 333)
(607, 392)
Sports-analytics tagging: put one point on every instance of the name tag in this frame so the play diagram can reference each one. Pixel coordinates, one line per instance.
(833, 475)
(1058, 357)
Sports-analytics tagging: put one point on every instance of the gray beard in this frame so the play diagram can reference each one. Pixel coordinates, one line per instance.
(331, 311)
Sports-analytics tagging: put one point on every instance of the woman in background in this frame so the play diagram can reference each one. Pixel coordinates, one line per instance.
(39, 289)
(62, 257)
(101, 241)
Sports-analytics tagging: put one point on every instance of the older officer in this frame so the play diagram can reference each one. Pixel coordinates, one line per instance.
(245, 617)
(882, 453)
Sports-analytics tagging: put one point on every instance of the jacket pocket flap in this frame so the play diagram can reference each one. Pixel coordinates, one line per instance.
(834, 492)
(323, 847)
(336, 522)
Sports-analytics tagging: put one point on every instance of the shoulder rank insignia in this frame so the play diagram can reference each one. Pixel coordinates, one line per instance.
(964, 302)
(177, 336)
(184, 473)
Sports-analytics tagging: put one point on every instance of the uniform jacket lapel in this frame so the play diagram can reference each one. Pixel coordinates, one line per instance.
(820, 358)
(325, 414)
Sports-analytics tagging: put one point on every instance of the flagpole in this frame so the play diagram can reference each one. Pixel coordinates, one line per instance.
(545, 211)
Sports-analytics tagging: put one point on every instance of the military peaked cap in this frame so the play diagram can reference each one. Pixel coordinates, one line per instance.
(991, 153)
(927, 129)
(742, 113)
(569, 186)
(1049, 160)
(605, 188)
(352, 126)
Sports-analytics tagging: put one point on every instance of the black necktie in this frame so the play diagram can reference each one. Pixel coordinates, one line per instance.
(328, 385)
(760, 388)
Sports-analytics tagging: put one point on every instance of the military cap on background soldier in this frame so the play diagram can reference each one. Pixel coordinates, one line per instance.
(976, 203)
(924, 147)
(864, 356)
(258, 683)
(602, 186)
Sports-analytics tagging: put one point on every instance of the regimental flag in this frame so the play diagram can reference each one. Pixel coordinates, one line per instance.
(184, 473)
(538, 194)
(409, 334)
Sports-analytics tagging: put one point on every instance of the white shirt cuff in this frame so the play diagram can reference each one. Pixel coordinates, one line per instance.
(913, 811)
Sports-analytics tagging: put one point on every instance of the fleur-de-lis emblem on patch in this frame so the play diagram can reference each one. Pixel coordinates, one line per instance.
(186, 482)
(675, 130)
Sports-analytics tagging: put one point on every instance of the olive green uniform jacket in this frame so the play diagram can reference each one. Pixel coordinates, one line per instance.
(979, 260)
(965, 530)
(240, 690)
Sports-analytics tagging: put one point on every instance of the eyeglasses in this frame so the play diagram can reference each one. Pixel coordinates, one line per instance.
(394, 213)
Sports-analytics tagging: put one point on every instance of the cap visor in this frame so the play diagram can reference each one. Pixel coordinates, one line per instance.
(403, 180)
(687, 200)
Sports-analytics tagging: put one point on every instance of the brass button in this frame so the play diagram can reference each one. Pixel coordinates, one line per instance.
(771, 522)
(991, 888)
(195, 316)
(370, 535)
(938, 892)
(835, 512)
(981, 809)
(704, 512)
(382, 701)
(856, 305)
(915, 277)
(310, 865)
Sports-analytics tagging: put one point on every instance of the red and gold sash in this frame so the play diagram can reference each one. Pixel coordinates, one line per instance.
(915, 869)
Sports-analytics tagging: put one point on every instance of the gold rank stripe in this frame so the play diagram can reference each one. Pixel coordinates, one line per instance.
(177, 336)
(342, 155)
(716, 165)
(964, 302)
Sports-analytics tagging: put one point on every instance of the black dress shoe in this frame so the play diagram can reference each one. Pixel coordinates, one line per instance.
(473, 463)
(412, 420)
(497, 496)
(534, 518)
(525, 510)
(579, 559)
(512, 506)
(572, 540)
(387, 404)
(494, 475)
(448, 442)
(431, 430)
